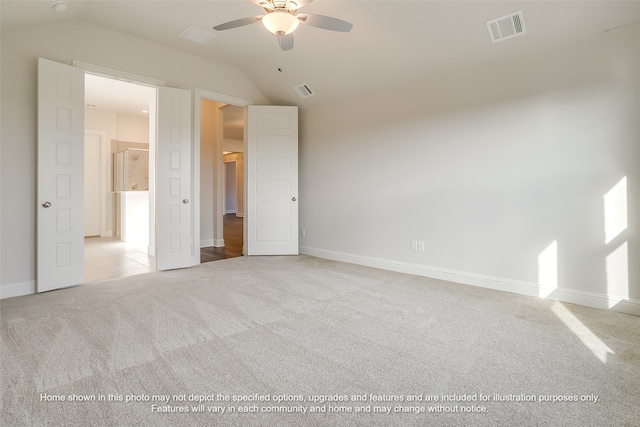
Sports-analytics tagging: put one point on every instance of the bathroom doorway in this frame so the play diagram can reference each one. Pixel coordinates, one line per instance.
(119, 137)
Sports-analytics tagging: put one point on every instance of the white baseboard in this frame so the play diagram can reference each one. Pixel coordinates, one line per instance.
(205, 243)
(230, 212)
(17, 289)
(216, 243)
(589, 299)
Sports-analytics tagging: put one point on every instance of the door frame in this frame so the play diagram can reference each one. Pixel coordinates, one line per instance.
(226, 181)
(201, 94)
(141, 80)
(104, 180)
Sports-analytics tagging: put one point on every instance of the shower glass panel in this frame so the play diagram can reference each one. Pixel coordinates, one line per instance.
(131, 170)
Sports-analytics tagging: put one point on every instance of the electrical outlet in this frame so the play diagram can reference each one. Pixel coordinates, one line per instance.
(414, 245)
(303, 232)
(420, 246)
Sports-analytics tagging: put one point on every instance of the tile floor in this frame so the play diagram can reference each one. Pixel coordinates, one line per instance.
(110, 258)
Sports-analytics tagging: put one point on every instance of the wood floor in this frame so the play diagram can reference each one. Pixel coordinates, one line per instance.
(232, 241)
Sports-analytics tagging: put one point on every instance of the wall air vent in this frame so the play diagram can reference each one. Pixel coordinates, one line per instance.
(506, 27)
(303, 90)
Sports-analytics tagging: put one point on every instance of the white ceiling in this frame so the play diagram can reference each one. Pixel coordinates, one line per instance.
(392, 43)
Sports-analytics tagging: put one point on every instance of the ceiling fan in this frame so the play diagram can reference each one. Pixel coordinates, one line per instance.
(282, 18)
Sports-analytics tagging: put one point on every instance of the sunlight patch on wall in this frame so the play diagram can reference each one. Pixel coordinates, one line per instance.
(615, 210)
(618, 275)
(615, 223)
(588, 338)
(548, 270)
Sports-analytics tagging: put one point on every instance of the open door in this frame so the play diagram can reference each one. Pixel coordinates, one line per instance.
(272, 181)
(60, 217)
(60, 229)
(174, 232)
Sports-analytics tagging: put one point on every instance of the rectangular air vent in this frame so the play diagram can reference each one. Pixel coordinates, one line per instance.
(303, 90)
(196, 35)
(506, 27)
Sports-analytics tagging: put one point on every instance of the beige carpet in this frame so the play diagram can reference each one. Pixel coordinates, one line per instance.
(305, 341)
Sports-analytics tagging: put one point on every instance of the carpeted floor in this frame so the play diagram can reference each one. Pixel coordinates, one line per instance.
(295, 341)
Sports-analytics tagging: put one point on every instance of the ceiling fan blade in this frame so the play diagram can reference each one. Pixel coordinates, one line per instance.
(325, 22)
(286, 41)
(237, 23)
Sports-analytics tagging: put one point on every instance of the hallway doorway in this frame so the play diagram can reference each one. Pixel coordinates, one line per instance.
(232, 241)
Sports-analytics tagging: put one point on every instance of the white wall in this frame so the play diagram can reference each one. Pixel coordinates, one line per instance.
(488, 167)
(133, 128)
(119, 126)
(116, 126)
(64, 42)
(105, 121)
(238, 158)
(230, 188)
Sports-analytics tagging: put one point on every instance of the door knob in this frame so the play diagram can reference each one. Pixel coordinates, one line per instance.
(185, 201)
(46, 205)
(293, 199)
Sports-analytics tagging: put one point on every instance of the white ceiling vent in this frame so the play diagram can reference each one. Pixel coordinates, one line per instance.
(196, 35)
(506, 27)
(303, 90)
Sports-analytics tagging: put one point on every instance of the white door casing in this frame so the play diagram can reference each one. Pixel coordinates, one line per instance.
(92, 184)
(201, 94)
(230, 188)
(271, 227)
(174, 232)
(60, 222)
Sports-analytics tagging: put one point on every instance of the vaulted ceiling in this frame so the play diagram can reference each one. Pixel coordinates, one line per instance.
(392, 42)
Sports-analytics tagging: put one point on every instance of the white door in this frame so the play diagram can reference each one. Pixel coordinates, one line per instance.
(173, 180)
(60, 229)
(92, 163)
(272, 180)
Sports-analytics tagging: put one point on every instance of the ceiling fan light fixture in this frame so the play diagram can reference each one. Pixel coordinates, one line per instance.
(280, 22)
